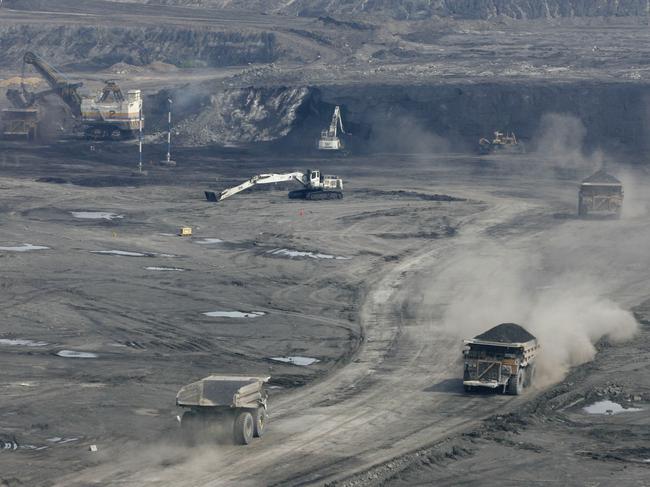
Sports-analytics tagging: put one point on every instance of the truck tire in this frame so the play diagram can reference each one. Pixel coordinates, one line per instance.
(516, 383)
(530, 375)
(243, 429)
(260, 419)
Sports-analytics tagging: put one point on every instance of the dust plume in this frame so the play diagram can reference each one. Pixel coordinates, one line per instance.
(636, 200)
(559, 297)
(406, 135)
(560, 140)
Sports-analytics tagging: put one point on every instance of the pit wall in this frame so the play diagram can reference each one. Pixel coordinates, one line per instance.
(612, 117)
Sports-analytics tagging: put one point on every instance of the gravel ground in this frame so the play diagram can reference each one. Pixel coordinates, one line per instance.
(377, 319)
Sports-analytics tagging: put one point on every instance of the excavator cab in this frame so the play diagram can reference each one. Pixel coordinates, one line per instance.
(111, 92)
(314, 178)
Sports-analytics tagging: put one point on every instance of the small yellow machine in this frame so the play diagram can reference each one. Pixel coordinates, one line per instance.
(185, 232)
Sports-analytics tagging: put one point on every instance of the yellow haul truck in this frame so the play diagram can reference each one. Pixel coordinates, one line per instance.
(502, 357)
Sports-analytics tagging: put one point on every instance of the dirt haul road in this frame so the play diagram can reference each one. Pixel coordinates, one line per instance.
(401, 391)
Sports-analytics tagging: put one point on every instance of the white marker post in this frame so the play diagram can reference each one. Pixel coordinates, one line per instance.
(168, 161)
(140, 142)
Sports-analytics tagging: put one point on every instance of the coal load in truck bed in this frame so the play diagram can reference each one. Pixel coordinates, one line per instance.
(506, 333)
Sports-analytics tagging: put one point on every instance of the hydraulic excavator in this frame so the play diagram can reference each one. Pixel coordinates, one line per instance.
(329, 139)
(315, 186)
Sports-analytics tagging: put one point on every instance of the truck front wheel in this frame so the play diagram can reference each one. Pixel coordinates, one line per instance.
(516, 383)
(243, 429)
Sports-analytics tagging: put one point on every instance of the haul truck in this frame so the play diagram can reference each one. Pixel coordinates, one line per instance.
(239, 401)
(502, 357)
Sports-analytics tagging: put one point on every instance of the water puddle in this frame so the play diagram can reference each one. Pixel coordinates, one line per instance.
(296, 360)
(26, 247)
(208, 241)
(61, 441)
(177, 269)
(96, 215)
(75, 354)
(146, 412)
(19, 342)
(299, 253)
(123, 253)
(33, 447)
(234, 314)
(609, 408)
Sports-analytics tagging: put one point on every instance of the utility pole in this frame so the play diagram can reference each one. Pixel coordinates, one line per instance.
(140, 142)
(168, 161)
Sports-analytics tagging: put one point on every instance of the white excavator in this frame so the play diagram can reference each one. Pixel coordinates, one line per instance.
(329, 139)
(316, 186)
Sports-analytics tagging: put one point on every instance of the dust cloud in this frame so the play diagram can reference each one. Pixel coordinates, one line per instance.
(636, 202)
(560, 140)
(405, 134)
(548, 287)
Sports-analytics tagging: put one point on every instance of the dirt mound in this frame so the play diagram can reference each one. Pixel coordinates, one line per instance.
(161, 67)
(506, 333)
(123, 68)
(16, 81)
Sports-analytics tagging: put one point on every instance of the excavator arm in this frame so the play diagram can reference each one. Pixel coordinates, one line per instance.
(337, 118)
(58, 83)
(255, 180)
(336, 122)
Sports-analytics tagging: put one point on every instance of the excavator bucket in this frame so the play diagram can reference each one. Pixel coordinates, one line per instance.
(211, 196)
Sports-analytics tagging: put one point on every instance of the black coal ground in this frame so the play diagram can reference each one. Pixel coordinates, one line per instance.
(151, 337)
(148, 330)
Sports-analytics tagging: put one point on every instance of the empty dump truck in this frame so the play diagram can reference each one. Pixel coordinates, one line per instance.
(237, 401)
(502, 357)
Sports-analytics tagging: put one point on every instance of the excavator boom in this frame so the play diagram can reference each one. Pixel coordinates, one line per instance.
(329, 139)
(58, 83)
(262, 179)
(336, 122)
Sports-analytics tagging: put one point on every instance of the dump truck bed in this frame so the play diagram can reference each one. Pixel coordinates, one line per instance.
(236, 391)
